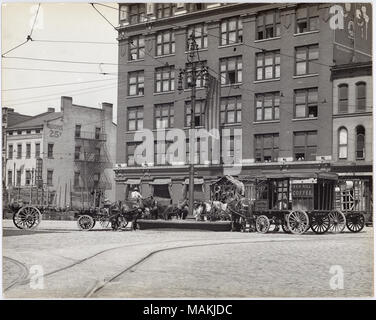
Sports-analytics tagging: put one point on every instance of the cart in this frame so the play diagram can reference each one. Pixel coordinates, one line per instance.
(299, 201)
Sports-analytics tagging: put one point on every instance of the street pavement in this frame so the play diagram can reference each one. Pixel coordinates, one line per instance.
(183, 264)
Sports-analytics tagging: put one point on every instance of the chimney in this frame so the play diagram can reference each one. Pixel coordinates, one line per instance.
(51, 110)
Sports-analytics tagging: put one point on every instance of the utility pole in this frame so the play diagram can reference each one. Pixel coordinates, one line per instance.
(194, 74)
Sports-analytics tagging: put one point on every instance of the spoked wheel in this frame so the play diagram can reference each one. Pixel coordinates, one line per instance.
(262, 224)
(85, 222)
(320, 223)
(298, 222)
(355, 222)
(104, 221)
(27, 218)
(337, 221)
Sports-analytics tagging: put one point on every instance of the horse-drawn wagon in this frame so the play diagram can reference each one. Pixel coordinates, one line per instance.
(299, 201)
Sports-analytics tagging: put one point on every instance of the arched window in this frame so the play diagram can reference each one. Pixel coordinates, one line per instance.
(360, 142)
(360, 96)
(342, 143)
(343, 98)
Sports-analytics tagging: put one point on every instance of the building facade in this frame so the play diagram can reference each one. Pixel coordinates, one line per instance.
(62, 157)
(353, 134)
(272, 63)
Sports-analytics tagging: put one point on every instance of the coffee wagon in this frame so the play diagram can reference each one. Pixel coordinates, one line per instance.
(299, 201)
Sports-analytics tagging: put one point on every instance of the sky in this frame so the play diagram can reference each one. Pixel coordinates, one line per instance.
(58, 22)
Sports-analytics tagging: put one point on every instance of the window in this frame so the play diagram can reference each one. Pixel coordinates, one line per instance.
(267, 106)
(197, 151)
(165, 10)
(49, 177)
(77, 152)
(200, 32)
(200, 80)
(165, 79)
(28, 131)
(231, 110)
(231, 147)
(76, 180)
(10, 177)
(161, 191)
(165, 42)
(77, 131)
(342, 143)
(305, 145)
(19, 151)
(123, 12)
(231, 70)
(28, 150)
(10, 133)
(164, 116)
(161, 154)
(136, 13)
(50, 150)
(136, 47)
(37, 131)
(268, 25)
(199, 113)
(307, 18)
(268, 65)
(97, 134)
(306, 103)
(97, 154)
(136, 83)
(19, 132)
(361, 96)
(360, 142)
(193, 7)
(231, 31)
(266, 147)
(18, 181)
(10, 151)
(343, 98)
(306, 59)
(37, 150)
(27, 177)
(135, 118)
(131, 147)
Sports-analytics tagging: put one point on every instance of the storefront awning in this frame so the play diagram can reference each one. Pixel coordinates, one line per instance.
(133, 181)
(197, 181)
(161, 181)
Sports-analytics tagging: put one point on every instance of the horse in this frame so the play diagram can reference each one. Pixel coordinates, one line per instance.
(180, 211)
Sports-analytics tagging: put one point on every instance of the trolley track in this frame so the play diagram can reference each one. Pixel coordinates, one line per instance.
(22, 276)
(99, 285)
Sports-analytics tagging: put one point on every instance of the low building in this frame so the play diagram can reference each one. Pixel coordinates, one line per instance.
(62, 158)
(353, 134)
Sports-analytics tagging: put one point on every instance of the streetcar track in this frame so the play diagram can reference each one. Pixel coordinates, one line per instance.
(96, 288)
(22, 277)
(20, 282)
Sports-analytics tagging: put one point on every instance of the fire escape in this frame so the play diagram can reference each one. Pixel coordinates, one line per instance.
(91, 159)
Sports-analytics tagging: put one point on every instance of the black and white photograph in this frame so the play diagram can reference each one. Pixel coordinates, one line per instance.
(193, 150)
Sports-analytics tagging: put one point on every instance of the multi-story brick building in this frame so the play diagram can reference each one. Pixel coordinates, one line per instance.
(65, 155)
(273, 63)
(353, 134)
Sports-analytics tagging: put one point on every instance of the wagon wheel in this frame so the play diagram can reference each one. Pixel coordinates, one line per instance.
(298, 222)
(27, 218)
(320, 223)
(337, 221)
(85, 222)
(355, 222)
(104, 221)
(262, 224)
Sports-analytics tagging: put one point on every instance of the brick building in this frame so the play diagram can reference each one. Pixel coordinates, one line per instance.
(353, 134)
(273, 63)
(62, 156)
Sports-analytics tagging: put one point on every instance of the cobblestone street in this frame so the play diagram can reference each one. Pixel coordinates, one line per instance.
(161, 263)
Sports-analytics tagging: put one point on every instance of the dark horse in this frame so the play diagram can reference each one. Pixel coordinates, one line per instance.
(180, 211)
